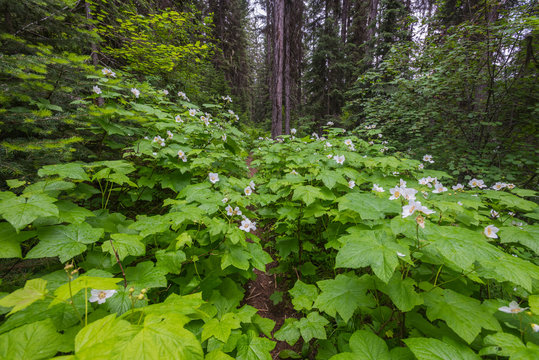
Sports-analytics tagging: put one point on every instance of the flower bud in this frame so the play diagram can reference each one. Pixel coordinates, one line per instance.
(131, 290)
(140, 296)
(420, 220)
(143, 291)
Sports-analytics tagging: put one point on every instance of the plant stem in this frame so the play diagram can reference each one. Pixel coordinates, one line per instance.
(119, 262)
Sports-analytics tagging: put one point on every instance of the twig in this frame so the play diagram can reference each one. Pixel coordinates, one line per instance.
(119, 262)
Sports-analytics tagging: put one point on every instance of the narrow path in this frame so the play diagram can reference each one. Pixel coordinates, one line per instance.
(259, 291)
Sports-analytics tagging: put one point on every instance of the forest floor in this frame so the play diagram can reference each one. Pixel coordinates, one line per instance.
(260, 290)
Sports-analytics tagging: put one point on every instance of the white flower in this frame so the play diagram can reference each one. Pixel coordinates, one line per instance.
(510, 186)
(402, 183)
(499, 186)
(421, 166)
(457, 187)
(165, 92)
(377, 188)
(247, 225)
(315, 135)
(329, 156)
(476, 183)
(225, 200)
(192, 112)
(223, 137)
(439, 188)
(513, 308)
(348, 142)
(101, 295)
(490, 232)
(351, 184)
(428, 158)
(339, 159)
(408, 193)
(494, 214)
(328, 144)
(511, 213)
(460, 203)
(330, 123)
(214, 177)
(293, 172)
(423, 181)
(371, 142)
(535, 327)
(252, 184)
(396, 193)
(248, 191)
(154, 154)
(380, 135)
(231, 212)
(181, 154)
(231, 112)
(293, 131)
(395, 173)
(108, 72)
(170, 135)
(158, 139)
(178, 119)
(399, 254)
(182, 95)
(413, 206)
(135, 92)
(226, 98)
(96, 89)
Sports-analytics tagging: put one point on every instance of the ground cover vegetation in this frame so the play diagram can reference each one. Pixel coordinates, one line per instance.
(142, 193)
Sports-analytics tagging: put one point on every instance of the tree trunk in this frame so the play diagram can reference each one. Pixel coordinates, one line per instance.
(344, 19)
(277, 83)
(93, 46)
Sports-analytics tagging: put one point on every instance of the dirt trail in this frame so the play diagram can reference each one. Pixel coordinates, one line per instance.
(258, 293)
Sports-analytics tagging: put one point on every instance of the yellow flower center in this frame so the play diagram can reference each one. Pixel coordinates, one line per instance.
(102, 295)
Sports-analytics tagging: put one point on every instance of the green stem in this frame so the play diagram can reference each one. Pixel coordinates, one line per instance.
(73, 302)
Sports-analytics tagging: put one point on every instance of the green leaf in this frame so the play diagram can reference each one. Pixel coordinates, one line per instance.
(533, 301)
(71, 213)
(146, 276)
(512, 346)
(368, 206)
(65, 242)
(15, 183)
(433, 349)
(377, 249)
(308, 194)
(343, 295)
(367, 346)
(218, 355)
(303, 295)
(170, 261)
(21, 211)
(288, 332)
(510, 201)
(401, 292)
(259, 258)
(254, 348)
(105, 335)
(38, 340)
(10, 240)
(526, 236)
(220, 329)
(329, 178)
(464, 315)
(264, 324)
(162, 337)
(33, 290)
(236, 256)
(312, 326)
(125, 245)
(509, 268)
(70, 171)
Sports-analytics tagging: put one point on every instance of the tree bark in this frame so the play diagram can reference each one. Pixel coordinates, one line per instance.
(93, 46)
(277, 74)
